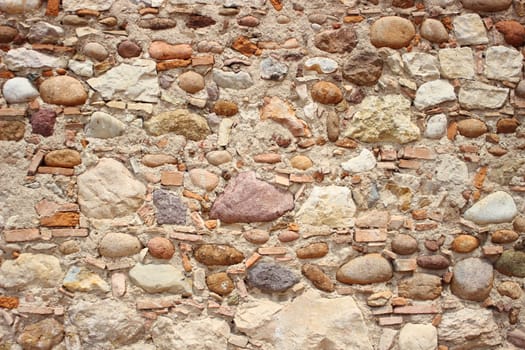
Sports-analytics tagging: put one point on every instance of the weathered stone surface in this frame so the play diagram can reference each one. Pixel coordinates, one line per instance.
(457, 63)
(341, 40)
(370, 268)
(486, 5)
(312, 251)
(404, 244)
(64, 158)
(495, 208)
(116, 245)
(472, 279)
(272, 69)
(321, 65)
(433, 93)
(504, 236)
(63, 90)
(471, 128)
(199, 21)
(478, 95)
(80, 279)
(282, 112)
(363, 67)
(231, 80)
(161, 248)
(7, 34)
(157, 23)
(108, 190)
(271, 277)
(247, 199)
(11, 130)
(331, 205)
(204, 179)
(510, 289)
(421, 65)
(160, 278)
(218, 157)
(19, 90)
(43, 335)
(180, 121)
(503, 63)
(30, 270)
(220, 283)
(464, 244)
(418, 337)
(322, 323)
(511, 263)
(436, 126)
(326, 93)
(421, 286)
(469, 29)
(17, 6)
(23, 58)
(97, 5)
(392, 31)
(513, 32)
(517, 337)
(317, 276)
(104, 126)
(191, 82)
(170, 208)
(45, 33)
(135, 82)
(225, 108)
(433, 262)
(383, 118)
(434, 31)
(365, 161)
(215, 254)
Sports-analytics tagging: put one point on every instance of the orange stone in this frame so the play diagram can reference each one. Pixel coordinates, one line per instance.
(161, 50)
(61, 219)
(9, 302)
(53, 7)
(245, 46)
(326, 93)
(464, 244)
(172, 64)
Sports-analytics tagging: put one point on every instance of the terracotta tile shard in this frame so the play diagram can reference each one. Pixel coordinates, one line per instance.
(417, 309)
(405, 265)
(146, 304)
(370, 235)
(56, 171)
(452, 130)
(517, 188)
(270, 158)
(35, 162)
(87, 12)
(252, 260)
(53, 8)
(61, 219)
(192, 195)
(384, 310)
(69, 232)
(172, 64)
(277, 4)
(118, 284)
(186, 237)
(9, 302)
(390, 321)
(409, 164)
(418, 153)
(301, 178)
(245, 46)
(22, 235)
(72, 111)
(171, 178)
(6, 74)
(207, 60)
(95, 262)
(148, 11)
(272, 250)
(479, 178)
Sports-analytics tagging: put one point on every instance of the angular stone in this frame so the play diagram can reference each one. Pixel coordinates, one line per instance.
(421, 286)
(365, 161)
(342, 40)
(220, 283)
(63, 90)
(45, 33)
(204, 179)
(457, 63)
(433, 93)
(19, 6)
(43, 335)
(108, 190)
(136, 82)
(312, 251)
(321, 65)
(421, 65)
(82, 280)
(181, 122)
(30, 270)
(470, 30)
(486, 5)
(478, 95)
(418, 337)
(128, 49)
(517, 337)
(215, 254)
(471, 128)
(23, 58)
(326, 93)
(19, 90)
(497, 207)
(383, 119)
(231, 80)
(247, 199)
(436, 126)
(96, 5)
(503, 63)
(104, 126)
(191, 82)
(363, 67)
(317, 276)
(511, 263)
(7, 34)
(433, 262)
(81, 68)
(472, 280)
(162, 278)
(283, 113)
(245, 46)
(366, 269)
(170, 208)
(392, 31)
(464, 244)
(161, 248)
(116, 245)
(510, 289)
(513, 32)
(434, 31)
(272, 69)
(330, 205)
(271, 277)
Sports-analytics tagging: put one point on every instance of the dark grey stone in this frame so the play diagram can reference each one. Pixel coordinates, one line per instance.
(271, 277)
(170, 208)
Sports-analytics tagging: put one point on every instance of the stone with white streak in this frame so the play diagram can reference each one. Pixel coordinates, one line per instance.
(422, 66)
(497, 207)
(433, 93)
(29, 270)
(330, 205)
(97, 5)
(363, 162)
(22, 58)
(436, 126)
(470, 30)
(135, 82)
(503, 63)
(478, 95)
(456, 63)
(19, 90)
(418, 337)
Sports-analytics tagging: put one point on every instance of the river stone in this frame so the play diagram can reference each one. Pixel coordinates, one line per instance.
(43, 122)
(271, 277)
(478, 95)
(220, 283)
(256, 236)
(421, 286)
(23, 58)
(272, 69)
(43, 335)
(96, 51)
(383, 119)
(471, 127)
(136, 82)
(322, 323)
(365, 161)
(232, 80)
(156, 160)
(218, 157)
(370, 268)
(497, 207)
(108, 190)
(329, 205)
(313, 251)
(317, 276)
(418, 337)
(392, 31)
(434, 31)
(326, 92)
(503, 63)
(161, 248)
(170, 208)
(104, 324)
(45, 33)
(161, 278)
(181, 122)
(433, 93)
(29, 270)
(504, 236)
(128, 49)
(216, 254)
(470, 30)
(116, 245)
(464, 244)
(63, 90)
(341, 40)
(436, 126)
(191, 82)
(225, 108)
(472, 279)
(64, 158)
(104, 126)
(404, 244)
(486, 5)
(7, 34)
(204, 179)
(19, 6)
(511, 263)
(19, 90)
(247, 199)
(363, 67)
(433, 262)
(321, 65)
(457, 63)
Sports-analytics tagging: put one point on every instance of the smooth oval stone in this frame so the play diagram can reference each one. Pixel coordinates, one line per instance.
(504, 236)
(391, 31)
(191, 82)
(161, 248)
(326, 93)
(129, 49)
(464, 244)
(486, 5)
(472, 128)
(472, 279)
(63, 90)
(116, 245)
(155, 160)
(256, 236)
(301, 162)
(218, 157)
(371, 268)
(288, 236)
(497, 207)
(96, 51)
(312, 251)
(511, 263)
(404, 244)
(321, 65)
(204, 179)
(64, 158)
(216, 254)
(19, 90)
(271, 277)
(317, 276)
(433, 262)
(220, 283)
(225, 108)
(7, 34)
(434, 31)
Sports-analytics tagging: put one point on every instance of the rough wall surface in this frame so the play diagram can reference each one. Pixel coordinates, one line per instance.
(262, 174)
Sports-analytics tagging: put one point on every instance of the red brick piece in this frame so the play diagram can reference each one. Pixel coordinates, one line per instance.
(53, 7)
(21, 235)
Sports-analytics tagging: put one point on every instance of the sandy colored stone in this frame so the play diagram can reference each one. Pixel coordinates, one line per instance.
(392, 31)
(434, 31)
(421, 286)
(204, 179)
(65, 158)
(288, 236)
(116, 245)
(471, 128)
(366, 269)
(29, 270)
(63, 90)
(191, 82)
(504, 236)
(404, 244)
(510, 289)
(225, 108)
(220, 283)
(256, 236)
(218, 157)
(161, 50)
(342, 40)
(42, 335)
(330, 205)
(312, 251)
(486, 5)
(464, 244)
(155, 160)
(180, 121)
(283, 113)
(473, 279)
(326, 93)
(301, 162)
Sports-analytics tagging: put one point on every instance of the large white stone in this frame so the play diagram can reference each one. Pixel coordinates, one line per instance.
(495, 208)
(97, 5)
(160, 278)
(324, 324)
(503, 63)
(104, 126)
(363, 162)
(478, 95)
(137, 82)
(457, 63)
(418, 337)
(436, 126)
(422, 66)
(19, 6)
(109, 190)
(31, 270)
(330, 205)
(433, 93)
(19, 90)
(470, 30)
(22, 58)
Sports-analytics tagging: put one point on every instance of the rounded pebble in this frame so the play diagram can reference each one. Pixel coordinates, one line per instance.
(191, 82)
(128, 49)
(96, 51)
(326, 93)
(161, 248)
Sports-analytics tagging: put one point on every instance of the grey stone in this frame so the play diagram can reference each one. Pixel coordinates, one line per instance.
(231, 80)
(271, 277)
(22, 58)
(472, 279)
(81, 68)
(97, 5)
(436, 126)
(272, 69)
(95, 50)
(170, 208)
(434, 31)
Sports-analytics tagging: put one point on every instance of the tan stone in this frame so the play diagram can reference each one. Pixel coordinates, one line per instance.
(301, 162)
(64, 158)
(326, 93)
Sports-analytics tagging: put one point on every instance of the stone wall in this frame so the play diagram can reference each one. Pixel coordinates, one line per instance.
(264, 174)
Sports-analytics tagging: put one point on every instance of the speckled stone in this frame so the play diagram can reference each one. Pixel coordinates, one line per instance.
(511, 263)
(271, 277)
(363, 67)
(42, 335)
(392, 31)
(225, 108)
(504, 236)
(65, 158)
(341, 40)
(464, 244)
(433, 262)
(43, 122)
(472, 279)
(421, 286)
(11, 130)
(216, 254)
(191, 82)
(318, 277)
(256, 236)
(220, 283)
(63, 90)
(170, 208)
(326, 93)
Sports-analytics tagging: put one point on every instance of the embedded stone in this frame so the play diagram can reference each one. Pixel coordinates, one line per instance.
(181, 122)
(282, 112)
(11, 130)
(418, 337)
(256, 236)
(471, 128)
(497, 207)
(204, 179)
(436, 126)
(433, 262)
(504, 236)
(7, 34)
(472, 279)
(22, 58)
(215, 254)
(104, 126)
(330, 205)
(64, 158)
(486, 5)
(170, 208)
(457, 62)
(511, 263)
(363, 67)
(366, 269)
(42, 335)
(80, 279)
(225, 108)
(63, 90)
(503, 63)
(96, 51)
(392, 31)
(31, 270)
(478, 95)
(45, 33)
(365, 161)
(232, 80)
(312, 251)
(95, 5)
(19, 90)
(272, 69)
(321, 65)
(128, 49)
(220, 283)
(218, 157)
(301, 162)
(271, 277)
(191, 82)
(161, 248)
(157, 23)
(326, 93)
(318, 277)
(464, 244)
(434, 31)
(433, 93)
(160, 278)
(513, 32)
(199, 21)
(342, 40)
(116, 245)
(507, 125)
(510, 289)
(19, 6)
(470, 30)
(421, 286)
(404, 244)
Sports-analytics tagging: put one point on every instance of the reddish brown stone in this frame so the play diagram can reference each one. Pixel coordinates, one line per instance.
(404, 4)
(312, 251)
(128, 49)
(245, 46)
(433, 262)
(43, 122)
(161, 248)
(199, 21)
(342, 40)
(472, 128)
(317, 276)
(7, 34)
(326, 93)
(513, 32)
(504, 236)
(288, 236)
(363, 67)
(225, 108)
(464, 244)
(220, 283)
(215, 254)
(53, 8)
(507, 125)
(248, 21)
(61, 219)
